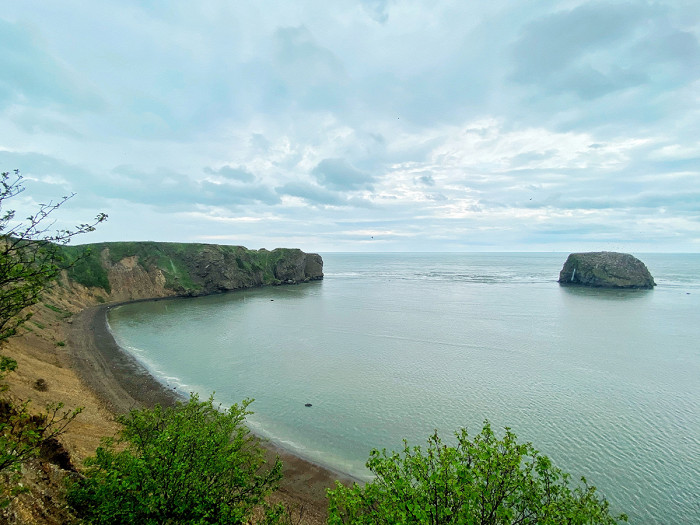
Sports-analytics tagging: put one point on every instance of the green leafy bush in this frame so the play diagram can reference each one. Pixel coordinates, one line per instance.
(31, 257)
(191, 463)
(481, 481)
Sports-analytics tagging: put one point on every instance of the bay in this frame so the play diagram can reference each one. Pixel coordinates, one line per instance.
(393, 346)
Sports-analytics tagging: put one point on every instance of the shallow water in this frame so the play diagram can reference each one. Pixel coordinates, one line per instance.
(392, 346)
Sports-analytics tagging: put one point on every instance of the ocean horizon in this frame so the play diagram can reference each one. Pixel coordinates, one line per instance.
(394, 345)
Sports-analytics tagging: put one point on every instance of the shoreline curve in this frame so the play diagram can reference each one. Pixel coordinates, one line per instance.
(122, 383)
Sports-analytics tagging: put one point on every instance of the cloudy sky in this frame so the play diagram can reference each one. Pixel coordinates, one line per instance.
(366, 125)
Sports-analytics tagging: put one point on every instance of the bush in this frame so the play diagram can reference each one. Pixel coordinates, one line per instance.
(23, 434)
(185, 464)
(482, 481)
(31, 257)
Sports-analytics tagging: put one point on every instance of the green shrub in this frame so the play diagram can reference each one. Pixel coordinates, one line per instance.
(482, 481)
(185, 464)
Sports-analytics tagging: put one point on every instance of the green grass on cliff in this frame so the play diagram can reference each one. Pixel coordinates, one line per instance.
(85, 267)
(177, 261)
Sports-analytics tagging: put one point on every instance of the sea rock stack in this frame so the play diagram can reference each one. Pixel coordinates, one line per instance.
(605, 270)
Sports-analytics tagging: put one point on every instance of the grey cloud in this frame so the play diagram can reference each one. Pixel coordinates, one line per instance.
(589, 83)
(32, 121)
(308, 74)
(532, 156)
(168, 188)
(30, 75)
(681, 202)
(675, 53)
(426, 179)
(313, 194)
(36, 165)
(553, 42)
(160, 187)
(229, 194)
(378, 10)
(338, 174)
(575, 231)
(439, 197)
(598, 49)
(259, 142)
(239, 174)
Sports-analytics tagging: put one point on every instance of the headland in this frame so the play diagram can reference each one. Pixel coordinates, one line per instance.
(68, 345)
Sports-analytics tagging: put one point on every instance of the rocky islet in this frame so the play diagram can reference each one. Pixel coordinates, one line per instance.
(605, 270)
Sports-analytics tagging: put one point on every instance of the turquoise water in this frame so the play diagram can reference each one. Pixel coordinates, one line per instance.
(392, 346)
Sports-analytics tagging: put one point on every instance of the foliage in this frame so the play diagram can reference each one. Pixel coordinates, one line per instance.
(30, 255)
(181, 263)
(86, 267)
(30, 259)
(190, 463)
(481, 481)
(22, 434)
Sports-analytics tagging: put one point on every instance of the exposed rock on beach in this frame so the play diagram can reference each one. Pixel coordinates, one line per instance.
(605, 270)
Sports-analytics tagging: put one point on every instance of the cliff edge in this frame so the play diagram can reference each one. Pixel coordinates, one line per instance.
(605, 270)
(61, 352)
(123, 271)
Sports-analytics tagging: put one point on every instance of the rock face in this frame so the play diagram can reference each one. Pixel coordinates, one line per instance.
(299, 266)
(144, 270)
(605, 270)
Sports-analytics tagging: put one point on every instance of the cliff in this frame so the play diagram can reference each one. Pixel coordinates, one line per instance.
(605, 270)
(123, 271)
(59, 352)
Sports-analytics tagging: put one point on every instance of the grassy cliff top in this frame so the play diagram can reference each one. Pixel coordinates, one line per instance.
(190, 268)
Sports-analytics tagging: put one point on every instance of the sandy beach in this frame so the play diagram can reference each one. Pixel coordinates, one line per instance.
(121, 384)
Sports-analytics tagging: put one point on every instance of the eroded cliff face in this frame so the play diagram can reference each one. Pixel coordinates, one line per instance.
(129, 281)
(105, 273)
(605, 270)
(116, 272)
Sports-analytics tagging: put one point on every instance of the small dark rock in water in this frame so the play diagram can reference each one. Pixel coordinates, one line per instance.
(308, 405)
(605, 270)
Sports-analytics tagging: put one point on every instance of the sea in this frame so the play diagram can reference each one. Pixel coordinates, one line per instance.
(392, 346)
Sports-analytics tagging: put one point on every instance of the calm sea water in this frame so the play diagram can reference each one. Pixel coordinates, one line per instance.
(392, 346)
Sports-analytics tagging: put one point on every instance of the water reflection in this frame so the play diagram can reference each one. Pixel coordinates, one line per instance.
(609, 294)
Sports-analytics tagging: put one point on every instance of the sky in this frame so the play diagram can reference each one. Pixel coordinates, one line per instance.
(367, 125)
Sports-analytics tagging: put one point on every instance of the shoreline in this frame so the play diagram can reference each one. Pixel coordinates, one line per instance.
(122, 383)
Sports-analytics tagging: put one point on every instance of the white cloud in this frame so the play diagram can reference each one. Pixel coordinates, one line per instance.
(448, 125)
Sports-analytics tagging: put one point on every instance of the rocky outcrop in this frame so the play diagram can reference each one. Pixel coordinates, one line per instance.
(299, 266)
(128, 280)
(219, 269)
(605, 270)
(126, 271)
